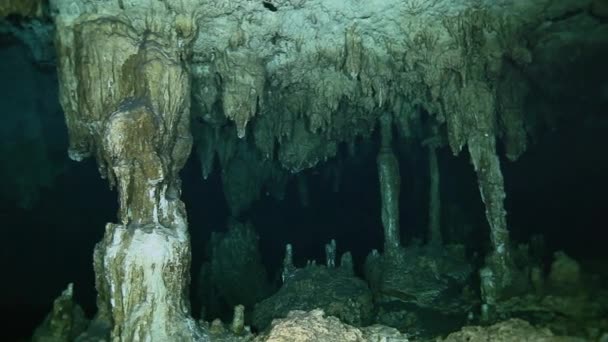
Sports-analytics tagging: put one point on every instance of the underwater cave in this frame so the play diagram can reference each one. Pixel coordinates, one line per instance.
(304, 170)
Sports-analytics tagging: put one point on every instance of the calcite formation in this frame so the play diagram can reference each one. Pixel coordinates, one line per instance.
(332, 69)
(125, 89)
(276, 87)
(390, 185)
(333, 289)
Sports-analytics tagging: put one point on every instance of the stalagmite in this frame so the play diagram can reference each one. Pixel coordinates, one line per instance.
(347, 264)
(288, 266)
(330, 254)
(390, 181)
(238, 320)
(126, 95)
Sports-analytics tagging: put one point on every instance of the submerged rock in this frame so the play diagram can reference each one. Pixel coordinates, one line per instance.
(313, 326)
(417, 286)
(335, 290)
(569, 301)
(507, 331)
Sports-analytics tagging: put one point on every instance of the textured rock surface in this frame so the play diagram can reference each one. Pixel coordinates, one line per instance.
(421, 289)
(422, 275)
(335, 290)
(390, 185)
(312, 326)
(511, 330)
(125, 90)
(316, 73)
(567, 300)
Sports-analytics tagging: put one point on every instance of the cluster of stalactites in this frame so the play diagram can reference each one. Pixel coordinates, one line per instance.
(314, 96)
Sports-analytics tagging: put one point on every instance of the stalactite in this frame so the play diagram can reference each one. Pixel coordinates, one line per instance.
(390, 182)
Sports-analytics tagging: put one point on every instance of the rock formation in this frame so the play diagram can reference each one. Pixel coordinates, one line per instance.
(277, 87)
(334, 289)
(125, 90)
(302, 326)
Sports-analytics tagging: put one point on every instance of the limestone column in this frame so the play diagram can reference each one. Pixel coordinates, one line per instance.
(497, 275)
(125, 89)
(474, 123)
(390, 182)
